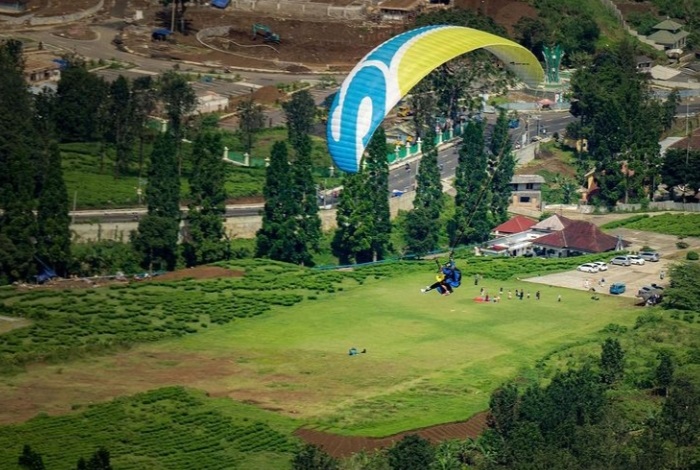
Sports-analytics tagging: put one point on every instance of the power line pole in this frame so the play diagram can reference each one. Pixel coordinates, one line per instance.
(172, 17)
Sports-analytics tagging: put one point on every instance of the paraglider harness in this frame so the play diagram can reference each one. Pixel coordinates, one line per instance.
(451, 276)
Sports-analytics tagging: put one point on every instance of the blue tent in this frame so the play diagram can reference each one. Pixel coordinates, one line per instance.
(46, 275)
(220, 3)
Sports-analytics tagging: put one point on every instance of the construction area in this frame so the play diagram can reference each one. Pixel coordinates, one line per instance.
(277, 35)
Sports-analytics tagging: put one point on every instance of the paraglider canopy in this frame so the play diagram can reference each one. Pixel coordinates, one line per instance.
(388, 73)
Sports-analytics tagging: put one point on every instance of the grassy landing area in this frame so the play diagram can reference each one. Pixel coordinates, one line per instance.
(277, 340)
(429, 360)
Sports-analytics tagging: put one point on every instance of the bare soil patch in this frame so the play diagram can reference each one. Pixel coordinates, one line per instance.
(504, 12)
(306, 44)
(636, 7)
(547, 161)
(65, 7)
(344, 446)
(78, 31)
(61, 389)
(199, 272)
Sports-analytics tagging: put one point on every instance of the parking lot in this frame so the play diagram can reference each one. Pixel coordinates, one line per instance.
(634, 276)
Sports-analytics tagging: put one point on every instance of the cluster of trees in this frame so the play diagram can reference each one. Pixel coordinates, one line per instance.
(35, 224)
(291, 226)
(565, 23)
(482, 183)
(622, 121)
(29, 459)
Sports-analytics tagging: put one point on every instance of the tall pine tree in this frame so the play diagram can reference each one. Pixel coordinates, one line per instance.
(179, 101)
(377, 190)
(503, 167)
(300, 112)
(158, 231)
(280, 237)
(423, 222)
(204, 240)
(352, 240)
(122, 131)
(82, 98)
(53, 219)
(471, 222)
(17, 178)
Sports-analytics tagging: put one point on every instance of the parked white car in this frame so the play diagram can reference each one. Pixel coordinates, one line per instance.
(634, 259)
(588, 268)
(602, 266)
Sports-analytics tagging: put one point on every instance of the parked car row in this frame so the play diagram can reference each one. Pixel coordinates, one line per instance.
(640, 259)
(593, 267)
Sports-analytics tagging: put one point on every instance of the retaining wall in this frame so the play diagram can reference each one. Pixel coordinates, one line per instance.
(301, 9)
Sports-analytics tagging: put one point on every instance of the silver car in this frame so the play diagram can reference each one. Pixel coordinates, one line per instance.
(649, 256)
(621, 261)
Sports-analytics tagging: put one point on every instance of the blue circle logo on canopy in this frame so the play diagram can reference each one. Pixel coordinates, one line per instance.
(388, 73)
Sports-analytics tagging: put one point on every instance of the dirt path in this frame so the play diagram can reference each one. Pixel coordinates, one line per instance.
(344, 446)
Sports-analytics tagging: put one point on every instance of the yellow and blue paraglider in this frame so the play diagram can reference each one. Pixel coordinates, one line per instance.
(388, 73)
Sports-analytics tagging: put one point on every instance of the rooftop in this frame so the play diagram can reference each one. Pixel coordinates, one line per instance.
(517, 224)
(40, 61)
(521, 179)
(580, 235)
(668, 25)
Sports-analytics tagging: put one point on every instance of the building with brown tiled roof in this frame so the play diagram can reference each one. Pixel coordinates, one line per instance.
(517, 224)
(691, 142)
(578, 237)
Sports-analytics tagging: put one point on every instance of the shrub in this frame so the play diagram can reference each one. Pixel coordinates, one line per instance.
(681, 245)
(692, 256)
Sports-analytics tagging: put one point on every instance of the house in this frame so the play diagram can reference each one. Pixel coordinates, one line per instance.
(644, 63)
(670, 35)
(400, 10)
(41, 67)
(517, 244)
(211, 102)
(578, 237)
(517, 224)
(526, 192)
(556, 236)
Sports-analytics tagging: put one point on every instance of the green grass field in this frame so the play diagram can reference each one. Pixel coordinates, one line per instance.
(681, 225)
(429, 360)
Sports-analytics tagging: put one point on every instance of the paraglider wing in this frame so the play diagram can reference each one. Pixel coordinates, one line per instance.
(388, 73)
